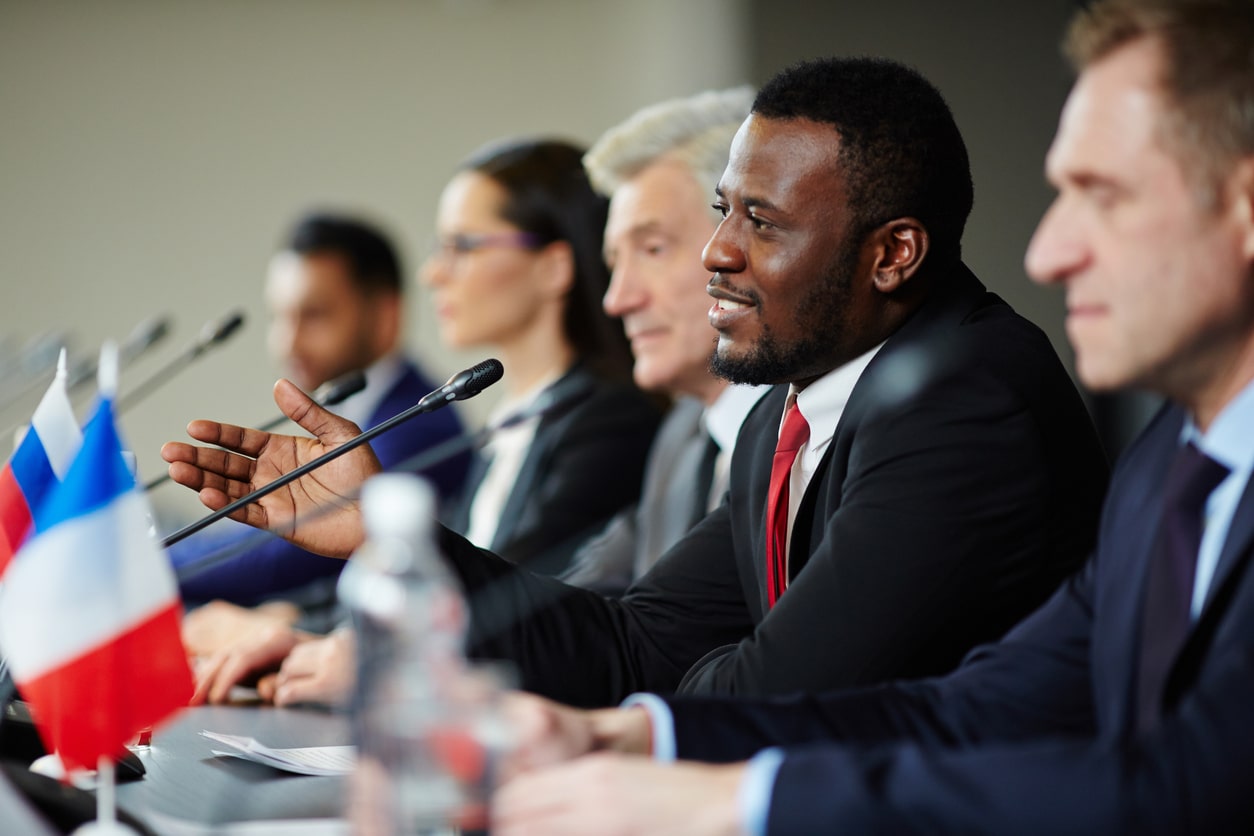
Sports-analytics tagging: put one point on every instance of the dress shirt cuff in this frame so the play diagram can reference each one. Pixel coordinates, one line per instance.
(662, 724)
(754, 798)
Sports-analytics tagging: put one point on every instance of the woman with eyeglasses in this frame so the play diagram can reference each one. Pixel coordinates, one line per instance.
(517, 270)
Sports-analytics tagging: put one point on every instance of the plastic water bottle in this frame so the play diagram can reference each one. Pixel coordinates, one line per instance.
(410, 620)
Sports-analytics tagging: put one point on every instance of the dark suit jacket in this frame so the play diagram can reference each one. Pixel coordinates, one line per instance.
(584, 464)
(669, 506)
(1036, 734)
(271, 566)
(961, 487)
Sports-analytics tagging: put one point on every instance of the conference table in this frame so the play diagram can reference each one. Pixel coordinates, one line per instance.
(188, 789)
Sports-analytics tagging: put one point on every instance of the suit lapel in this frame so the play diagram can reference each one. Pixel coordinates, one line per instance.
(1137, 537)
(671, 481)
(809, 526)
(1127, 543)
(565, 393)
(950, 303)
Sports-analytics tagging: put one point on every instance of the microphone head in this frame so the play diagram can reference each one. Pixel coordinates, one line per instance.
(40, 353)
(145, 335)
(465, 384)
(341, 388)
(479, 378)
(215, 332)
(81, 371)
(150, 331)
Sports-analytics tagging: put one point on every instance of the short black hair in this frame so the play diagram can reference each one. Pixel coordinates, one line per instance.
(900, 150)
(371, 258)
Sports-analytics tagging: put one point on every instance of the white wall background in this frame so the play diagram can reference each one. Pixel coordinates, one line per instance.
(153, 151)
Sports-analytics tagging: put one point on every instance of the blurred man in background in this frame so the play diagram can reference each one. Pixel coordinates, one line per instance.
(335, 297)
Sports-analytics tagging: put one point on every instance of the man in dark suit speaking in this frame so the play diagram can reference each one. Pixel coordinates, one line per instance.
(1123, 705)
(938, 475)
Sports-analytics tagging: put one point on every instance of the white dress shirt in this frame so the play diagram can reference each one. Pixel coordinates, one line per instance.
(507, 451)
(821, 404)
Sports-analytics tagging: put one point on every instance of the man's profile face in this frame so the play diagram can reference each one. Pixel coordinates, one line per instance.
(321, 325)
(659, 221)
(792, 300)
(1158, 291)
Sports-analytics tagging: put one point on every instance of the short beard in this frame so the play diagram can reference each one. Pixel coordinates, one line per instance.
(824, 308)
(768, 362)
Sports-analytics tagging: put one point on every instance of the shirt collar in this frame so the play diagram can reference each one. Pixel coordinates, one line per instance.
(381, 376)
(823, 401)
(1228, 441)
(724, 417)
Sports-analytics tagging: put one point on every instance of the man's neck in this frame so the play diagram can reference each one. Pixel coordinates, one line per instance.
(1205, 400)
(709, 393)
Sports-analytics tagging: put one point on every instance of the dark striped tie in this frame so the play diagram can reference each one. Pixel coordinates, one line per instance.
(1169, 592)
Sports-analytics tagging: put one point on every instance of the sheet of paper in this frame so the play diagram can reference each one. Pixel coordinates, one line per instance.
(311, 760)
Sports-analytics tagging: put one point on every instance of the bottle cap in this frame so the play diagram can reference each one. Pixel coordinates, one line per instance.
(397, 505)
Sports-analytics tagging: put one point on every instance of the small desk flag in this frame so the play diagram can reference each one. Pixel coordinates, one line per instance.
(89, 608)
(40, 461)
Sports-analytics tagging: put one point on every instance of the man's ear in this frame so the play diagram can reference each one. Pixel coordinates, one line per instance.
(1242, 194)
(387, 311)
(899, 248)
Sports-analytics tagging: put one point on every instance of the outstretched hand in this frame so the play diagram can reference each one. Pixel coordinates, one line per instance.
(318, 512)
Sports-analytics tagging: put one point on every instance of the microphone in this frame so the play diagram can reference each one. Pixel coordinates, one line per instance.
(549, 403)
(142, 337)
(462, 385)
(331, 393)
(28, 372)
(466, 383)
(336, 391)
(214, 333)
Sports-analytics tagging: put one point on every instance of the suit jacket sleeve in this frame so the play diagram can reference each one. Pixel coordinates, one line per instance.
(579, 647)
(1188, 776)
(1034, 681)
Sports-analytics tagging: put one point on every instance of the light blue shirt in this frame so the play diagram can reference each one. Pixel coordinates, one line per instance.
(1229, 441)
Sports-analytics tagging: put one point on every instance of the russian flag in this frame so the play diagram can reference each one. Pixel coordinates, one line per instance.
(89, 610)
(40, 461)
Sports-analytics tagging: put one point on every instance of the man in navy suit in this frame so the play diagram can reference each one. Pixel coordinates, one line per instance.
(334, 292)
(1124, 704)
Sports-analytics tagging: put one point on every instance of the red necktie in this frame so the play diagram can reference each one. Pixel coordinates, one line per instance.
(792, 437)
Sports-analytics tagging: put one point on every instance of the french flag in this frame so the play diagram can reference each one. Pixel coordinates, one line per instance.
(89, 609)
(40, 461)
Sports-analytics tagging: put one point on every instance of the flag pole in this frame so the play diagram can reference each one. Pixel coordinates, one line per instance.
(106, 823)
